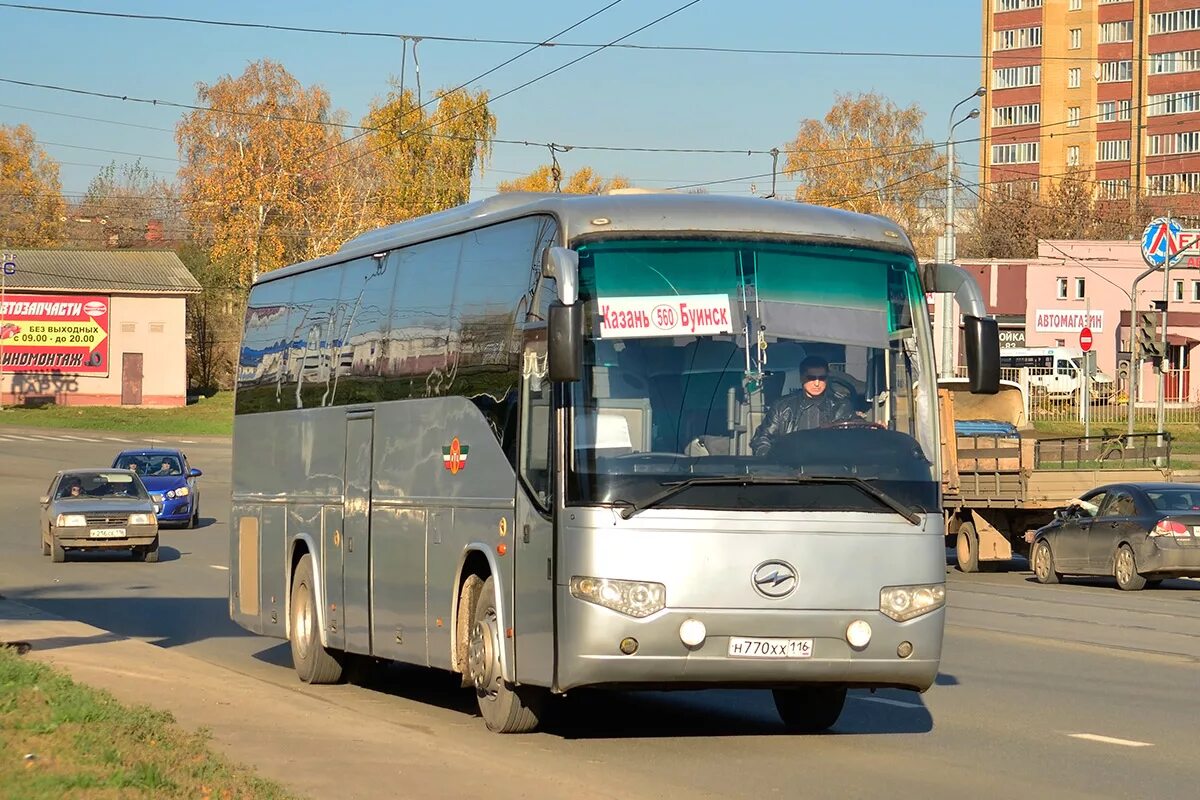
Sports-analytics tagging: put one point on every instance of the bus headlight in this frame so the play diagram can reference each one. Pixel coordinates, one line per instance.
(70, 521)
(906, 602)
(635, 598)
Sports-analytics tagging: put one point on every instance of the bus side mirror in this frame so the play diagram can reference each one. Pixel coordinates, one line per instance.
(565, 352)
(562, 264)
(982, 340)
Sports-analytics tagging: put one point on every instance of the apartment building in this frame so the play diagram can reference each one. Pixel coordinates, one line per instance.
(1108, 86)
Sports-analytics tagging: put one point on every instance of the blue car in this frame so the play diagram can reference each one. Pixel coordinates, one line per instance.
(170, 480)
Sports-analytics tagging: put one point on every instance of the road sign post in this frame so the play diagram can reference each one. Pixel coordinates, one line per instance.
(1085, 394)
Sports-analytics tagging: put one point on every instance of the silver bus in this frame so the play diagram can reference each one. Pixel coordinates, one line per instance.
(537, 441)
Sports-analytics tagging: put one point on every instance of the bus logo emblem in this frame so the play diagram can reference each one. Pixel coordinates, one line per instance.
(775, 579)
(454, 457)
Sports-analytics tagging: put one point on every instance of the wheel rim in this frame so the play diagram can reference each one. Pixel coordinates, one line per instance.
(1124, 565)
(483, 654)
(303, 623)
(963, 546)
(1040, 566)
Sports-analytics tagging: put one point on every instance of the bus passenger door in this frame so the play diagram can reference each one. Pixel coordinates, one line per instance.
(356, 531)
(533, 596)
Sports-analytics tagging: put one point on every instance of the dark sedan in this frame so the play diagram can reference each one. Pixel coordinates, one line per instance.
(1138, 533)
(98, 508)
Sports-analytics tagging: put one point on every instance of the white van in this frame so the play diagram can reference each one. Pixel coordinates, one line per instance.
(1055, 372)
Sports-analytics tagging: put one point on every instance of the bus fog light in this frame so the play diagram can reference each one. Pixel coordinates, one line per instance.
(858, 634)
(635, 598)
(629, 645)
(692, 632)
(903, 603)
(904, 650)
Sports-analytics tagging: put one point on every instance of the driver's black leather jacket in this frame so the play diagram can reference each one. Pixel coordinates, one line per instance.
(798, 412)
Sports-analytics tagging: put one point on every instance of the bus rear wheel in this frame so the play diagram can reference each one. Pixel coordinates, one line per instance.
(314, 664)
(810, 709)
(505, 708)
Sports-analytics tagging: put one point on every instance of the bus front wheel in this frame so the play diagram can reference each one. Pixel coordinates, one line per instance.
(505, 708)
(810, 709)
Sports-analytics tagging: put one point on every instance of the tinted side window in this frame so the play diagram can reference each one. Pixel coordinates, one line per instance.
(417, 356)
(264, 348)
(308, 380)
(1119, 505)
(362, 322)
(498, 268)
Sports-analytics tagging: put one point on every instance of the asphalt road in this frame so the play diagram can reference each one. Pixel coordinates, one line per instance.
(1072, 691)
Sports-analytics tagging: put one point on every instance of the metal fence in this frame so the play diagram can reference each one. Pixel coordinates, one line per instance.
(1056, 396)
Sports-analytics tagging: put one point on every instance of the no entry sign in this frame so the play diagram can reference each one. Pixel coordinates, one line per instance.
(1085, 339)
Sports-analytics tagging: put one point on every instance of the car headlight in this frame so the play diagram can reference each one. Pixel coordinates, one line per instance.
(141, 519)
(635, 598)
(906, 602)
(182, 491)
(70, 521)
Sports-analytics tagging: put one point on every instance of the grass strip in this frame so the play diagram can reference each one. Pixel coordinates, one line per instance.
(208, 416)
(62, 739)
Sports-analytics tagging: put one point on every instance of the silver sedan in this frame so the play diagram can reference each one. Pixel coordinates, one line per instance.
(98, 509)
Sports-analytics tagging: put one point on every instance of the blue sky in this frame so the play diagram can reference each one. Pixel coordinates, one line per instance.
(617, 97)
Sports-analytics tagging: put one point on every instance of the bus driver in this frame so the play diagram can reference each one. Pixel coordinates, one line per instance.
(811, 407)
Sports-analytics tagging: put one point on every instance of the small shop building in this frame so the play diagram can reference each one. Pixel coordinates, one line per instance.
(94, 327)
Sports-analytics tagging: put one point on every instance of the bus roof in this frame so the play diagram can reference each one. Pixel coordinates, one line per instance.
(625, 211)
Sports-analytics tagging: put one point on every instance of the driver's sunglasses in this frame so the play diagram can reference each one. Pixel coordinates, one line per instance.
(824, 376)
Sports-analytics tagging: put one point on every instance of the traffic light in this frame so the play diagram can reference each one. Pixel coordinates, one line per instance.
(1148, 342)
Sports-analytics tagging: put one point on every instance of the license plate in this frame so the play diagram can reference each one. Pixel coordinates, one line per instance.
(740, 647)
(107, 533)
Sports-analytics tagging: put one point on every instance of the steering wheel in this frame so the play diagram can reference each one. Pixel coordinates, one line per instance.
(853, 422)
(651, 454)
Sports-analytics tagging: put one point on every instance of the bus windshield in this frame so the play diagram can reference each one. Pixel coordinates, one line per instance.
(704, 362)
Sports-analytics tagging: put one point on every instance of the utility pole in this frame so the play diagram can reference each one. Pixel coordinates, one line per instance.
(7, 267)
(949, 320)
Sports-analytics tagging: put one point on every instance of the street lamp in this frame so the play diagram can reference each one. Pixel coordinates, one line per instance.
(948, 248)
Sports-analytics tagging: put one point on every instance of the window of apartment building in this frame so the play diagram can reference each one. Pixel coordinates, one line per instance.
(1062, 288)
(1106, 112)
(1073, 117)
(1114, 189)
(1073, 78)
(1111, 2)
(1116, 32)
(1017, 5)
(1029, 114)
(1196, 291)
(1017, 38)
(1015, 77)
(1080, 288)
(1177, 61)
(1187, 19)
(1178, 293)
(1075, 5)
(1076, 39)
(1019, 153)
(1167, 144)
(1114, 71)
(1173, 183)
(1073, 156)
(1112, 150)
(1160, 105)
(1123, 110)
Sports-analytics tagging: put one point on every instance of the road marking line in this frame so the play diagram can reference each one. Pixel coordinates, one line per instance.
(186, 441)
(218, 566)
(1094, 737)
(115, 439)
(79, 438)
(156, 441)
(887, 701)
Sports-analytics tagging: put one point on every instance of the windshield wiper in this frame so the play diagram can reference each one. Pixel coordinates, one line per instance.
(675, 487)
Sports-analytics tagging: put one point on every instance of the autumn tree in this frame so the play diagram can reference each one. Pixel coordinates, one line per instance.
(126, 206)
(583, 181)
(252, 159)
(422, 157)
(31, 201)
(870, 156)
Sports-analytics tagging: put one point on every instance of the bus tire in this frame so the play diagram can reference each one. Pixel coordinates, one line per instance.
(810, 709)
(966, 548)
(314, 664)
(505, 708)
(468, 598)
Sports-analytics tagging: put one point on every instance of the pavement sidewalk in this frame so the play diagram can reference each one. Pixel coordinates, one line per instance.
(309, 744)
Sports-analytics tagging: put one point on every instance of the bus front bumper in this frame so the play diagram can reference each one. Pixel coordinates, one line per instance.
(590, 639)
